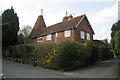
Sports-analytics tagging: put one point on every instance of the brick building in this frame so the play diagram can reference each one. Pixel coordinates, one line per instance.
(78, 29)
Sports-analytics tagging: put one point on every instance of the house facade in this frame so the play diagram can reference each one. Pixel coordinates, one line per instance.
(77, 29)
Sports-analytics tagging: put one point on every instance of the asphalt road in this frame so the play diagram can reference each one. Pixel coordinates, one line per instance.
(104, 69)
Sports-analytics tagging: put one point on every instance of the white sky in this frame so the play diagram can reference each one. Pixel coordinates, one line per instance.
(101, 13)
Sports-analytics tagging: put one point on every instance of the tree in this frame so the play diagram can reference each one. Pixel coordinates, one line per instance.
(115, 28)
(106, 41)
(117, 41)
(24, 33)
(115, 36)
(10, 28)
(21, 39)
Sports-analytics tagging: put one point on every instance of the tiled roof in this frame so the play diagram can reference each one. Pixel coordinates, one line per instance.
(39, 26)
(60, 26)
(64, 25)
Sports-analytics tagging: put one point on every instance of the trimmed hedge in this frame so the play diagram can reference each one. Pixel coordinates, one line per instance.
(66, 55)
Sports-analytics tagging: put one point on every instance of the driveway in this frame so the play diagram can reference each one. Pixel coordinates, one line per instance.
(104, 69)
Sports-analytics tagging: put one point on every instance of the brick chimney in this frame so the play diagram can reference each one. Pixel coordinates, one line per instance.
(70, 17)
(66, 18)
(39, 25)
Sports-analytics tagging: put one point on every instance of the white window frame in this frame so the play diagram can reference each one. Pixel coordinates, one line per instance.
(67, 33)
(48, 37)
(56, 37)
(82, 33)
(39, 39)
(88, 36)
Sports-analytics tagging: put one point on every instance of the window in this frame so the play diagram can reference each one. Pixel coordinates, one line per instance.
(88, 36)
(39, 39)
(48, 37)
(82, 34)
(67, 33)
(56, 36)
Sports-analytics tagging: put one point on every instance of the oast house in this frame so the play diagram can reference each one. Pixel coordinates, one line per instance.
(77, 29)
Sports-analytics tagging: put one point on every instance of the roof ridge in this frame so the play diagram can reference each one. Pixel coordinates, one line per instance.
(65, 21)
(60, 23)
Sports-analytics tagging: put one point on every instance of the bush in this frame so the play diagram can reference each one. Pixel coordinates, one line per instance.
(66, 55)
(72, 55)
(92, 51)
(105, 53)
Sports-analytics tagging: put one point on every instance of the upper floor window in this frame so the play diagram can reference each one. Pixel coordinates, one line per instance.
(67, 33)
(39, 39)
(88, 36)
(82, 34)
(48, 37)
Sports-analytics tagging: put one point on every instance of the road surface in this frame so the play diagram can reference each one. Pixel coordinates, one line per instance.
(104, 69)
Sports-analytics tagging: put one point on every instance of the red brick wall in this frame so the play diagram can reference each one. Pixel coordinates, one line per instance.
(83, 26)
(53, 36)
(77, 37)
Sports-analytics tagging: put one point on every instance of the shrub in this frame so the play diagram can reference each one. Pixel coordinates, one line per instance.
(66, 55)
(72, 55)
(91, 50)
(105, 53)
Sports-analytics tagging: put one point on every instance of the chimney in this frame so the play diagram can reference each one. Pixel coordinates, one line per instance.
(70, 17)
(65, 18)
(66, 13)
(41, 12)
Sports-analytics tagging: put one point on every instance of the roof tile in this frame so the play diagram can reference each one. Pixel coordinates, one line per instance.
(60, 26)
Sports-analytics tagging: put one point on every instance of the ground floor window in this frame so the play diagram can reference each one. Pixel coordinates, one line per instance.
(56, 36)
(48, 37)
(39, 39)
(67, 33)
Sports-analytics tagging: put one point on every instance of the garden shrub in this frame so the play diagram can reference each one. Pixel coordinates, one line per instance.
(105, 53)
(92, 51)
(72, 55)
(8, 52)
(66, 55)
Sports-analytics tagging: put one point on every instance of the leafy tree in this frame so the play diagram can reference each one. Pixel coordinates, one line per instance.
(21, 39)
(115, 28)
(24, 33)
(10, 28)
(115, 35)
(117, 41)
(106, 41)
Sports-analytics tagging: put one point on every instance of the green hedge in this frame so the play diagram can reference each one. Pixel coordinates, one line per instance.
(66, 55)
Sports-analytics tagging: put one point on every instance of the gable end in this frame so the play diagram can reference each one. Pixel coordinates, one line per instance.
(87, 21)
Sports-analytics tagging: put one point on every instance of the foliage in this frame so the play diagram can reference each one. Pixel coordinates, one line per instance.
(93, 49)
(114, 40)
(10, 27)
(66, 55)
(21, 39)
(24, 34)
(115, 28)
(117, 41)
(105, 53)
(69, 55)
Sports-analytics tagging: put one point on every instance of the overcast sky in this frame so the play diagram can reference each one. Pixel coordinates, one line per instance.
(101, 13)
